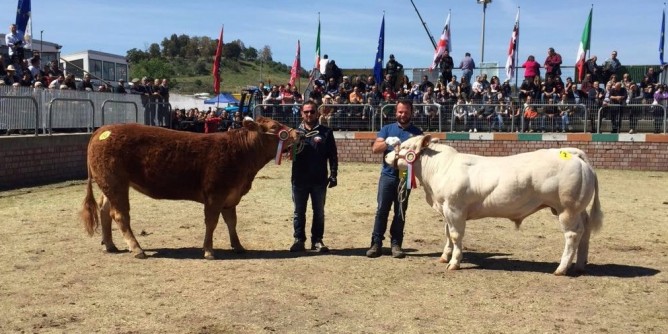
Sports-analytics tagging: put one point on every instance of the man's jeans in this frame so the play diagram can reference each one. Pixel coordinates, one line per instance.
(387, 197)
(300, 195)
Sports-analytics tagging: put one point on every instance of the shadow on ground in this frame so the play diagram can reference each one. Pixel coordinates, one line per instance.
(480, 260)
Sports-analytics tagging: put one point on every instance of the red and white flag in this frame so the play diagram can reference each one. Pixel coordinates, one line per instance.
(444, 43)
(296, 66)
(512, 48)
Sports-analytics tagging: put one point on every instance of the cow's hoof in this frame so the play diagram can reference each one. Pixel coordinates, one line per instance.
(111, 249)
(442, 260)
(209, 257)
(141, 255)
(453, 266)
(239, 250)
(559, 272)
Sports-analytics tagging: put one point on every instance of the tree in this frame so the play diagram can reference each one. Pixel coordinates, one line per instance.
(265, 54)
(232, 51)
(154, 50)
(250, 53)
(134, 56)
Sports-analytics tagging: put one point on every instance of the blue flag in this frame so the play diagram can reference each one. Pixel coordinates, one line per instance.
(663, 30)
(378, 65)
(24, 22)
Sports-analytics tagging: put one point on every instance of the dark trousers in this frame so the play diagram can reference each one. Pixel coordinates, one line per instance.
(300, 195)
(387, 198)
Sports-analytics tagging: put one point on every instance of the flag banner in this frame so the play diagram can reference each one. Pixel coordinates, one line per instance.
(661, 40)
(380, 55)
(512, 48)
(24, 22)
(216, 64)
(584, 47)
(317, 48)
(443, 44)
(296, 66)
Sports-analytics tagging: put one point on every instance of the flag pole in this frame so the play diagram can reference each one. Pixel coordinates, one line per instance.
(588, 52)
(517, 48)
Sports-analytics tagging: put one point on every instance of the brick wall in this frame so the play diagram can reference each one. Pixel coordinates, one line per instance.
(30, 161)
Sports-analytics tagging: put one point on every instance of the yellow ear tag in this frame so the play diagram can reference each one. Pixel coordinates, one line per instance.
(105, 135)
(565, 155)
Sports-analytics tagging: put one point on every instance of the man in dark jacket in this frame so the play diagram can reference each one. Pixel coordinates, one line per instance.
(309, 178)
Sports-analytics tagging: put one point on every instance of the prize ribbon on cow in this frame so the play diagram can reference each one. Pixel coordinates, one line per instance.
(411, 156)
(283, 135)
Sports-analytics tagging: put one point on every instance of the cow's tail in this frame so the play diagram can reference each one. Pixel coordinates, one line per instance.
(595, 213)
(89, 212)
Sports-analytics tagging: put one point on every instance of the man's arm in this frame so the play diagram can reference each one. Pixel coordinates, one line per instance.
(379, 146)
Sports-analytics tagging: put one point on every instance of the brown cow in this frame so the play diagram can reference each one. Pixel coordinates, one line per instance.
(213, 169)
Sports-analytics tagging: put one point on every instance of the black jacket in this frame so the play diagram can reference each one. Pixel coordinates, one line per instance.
(309, 167)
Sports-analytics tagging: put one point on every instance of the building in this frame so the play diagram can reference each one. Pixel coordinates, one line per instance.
(101, 65)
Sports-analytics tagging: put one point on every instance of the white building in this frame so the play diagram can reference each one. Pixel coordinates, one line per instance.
(106, 66)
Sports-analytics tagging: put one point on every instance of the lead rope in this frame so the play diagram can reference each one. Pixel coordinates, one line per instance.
(402, 193)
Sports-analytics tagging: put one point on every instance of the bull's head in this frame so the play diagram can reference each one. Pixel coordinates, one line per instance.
(408, 152)
(283, 133)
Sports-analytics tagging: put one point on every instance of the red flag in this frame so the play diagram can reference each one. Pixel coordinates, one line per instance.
(512, 48)
(443, 44)
(296, 66)
(216, 64)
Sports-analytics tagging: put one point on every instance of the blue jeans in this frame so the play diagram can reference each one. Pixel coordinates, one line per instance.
(300, 195)
(388, 197)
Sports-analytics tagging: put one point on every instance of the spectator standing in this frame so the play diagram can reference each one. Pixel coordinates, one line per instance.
(86, 84)
(162, 90)
(393, 68)
(446, 65)
(15, 43)
(552, 64)
(389, 136)
(531, 68)
(309, 178)
(323, 67)
(591, 67)
(616, 98)
(120, 89)
(467, 65)
(611, 66)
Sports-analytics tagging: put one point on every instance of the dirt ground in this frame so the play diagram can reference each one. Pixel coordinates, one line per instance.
(54, 278)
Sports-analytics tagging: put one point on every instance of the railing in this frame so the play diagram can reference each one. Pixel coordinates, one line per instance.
(22, 115)
(633, 118)
(120, 118)
(72, 118)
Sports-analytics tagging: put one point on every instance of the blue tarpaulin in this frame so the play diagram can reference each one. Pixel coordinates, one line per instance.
(221, 98)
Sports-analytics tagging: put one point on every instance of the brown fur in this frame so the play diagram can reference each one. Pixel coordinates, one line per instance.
(213, 169)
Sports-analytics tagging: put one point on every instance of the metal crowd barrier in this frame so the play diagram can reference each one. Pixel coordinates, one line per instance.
(510, 117)
(54, 110)
(158, 113)
(18, 119)
(632, 118)
(287, 114)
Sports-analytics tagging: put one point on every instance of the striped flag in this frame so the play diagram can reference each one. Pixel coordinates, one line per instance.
(444, 43)
(296, 66)
(584, 47)
(317, 48)
(512, 48)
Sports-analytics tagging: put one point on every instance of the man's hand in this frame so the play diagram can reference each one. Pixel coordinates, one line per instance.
(331, 182)
(392, 141)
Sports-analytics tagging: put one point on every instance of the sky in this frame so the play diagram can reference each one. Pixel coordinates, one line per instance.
(350, 28)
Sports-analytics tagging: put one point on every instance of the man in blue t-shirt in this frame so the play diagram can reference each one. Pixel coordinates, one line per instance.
(389, 136)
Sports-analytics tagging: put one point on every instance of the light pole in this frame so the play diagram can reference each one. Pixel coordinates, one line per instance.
(482, 40)
(41, 42)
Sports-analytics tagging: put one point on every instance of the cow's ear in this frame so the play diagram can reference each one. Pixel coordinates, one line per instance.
(250, 124)
(426, 140)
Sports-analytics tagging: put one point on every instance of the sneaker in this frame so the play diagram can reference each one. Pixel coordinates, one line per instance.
(375, 251)
(397, 252)
(319, 247)
(297, 246)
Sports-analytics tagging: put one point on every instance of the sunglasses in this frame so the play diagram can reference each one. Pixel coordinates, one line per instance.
(309, 111)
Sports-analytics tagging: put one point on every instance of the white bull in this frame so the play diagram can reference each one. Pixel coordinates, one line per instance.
(465, 186)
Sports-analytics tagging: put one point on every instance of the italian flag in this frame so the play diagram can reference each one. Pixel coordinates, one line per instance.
(317, 48)
(584, 47)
